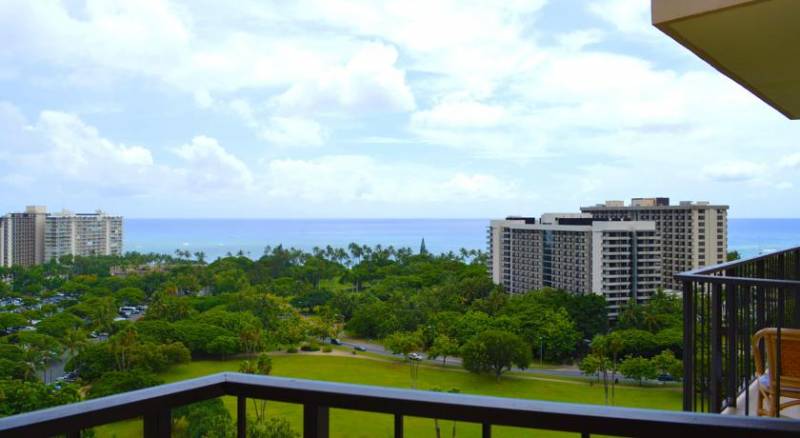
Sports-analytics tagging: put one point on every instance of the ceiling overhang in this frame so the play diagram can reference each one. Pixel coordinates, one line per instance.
(754, 42)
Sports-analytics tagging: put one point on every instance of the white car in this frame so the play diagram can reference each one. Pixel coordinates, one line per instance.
(415, 356)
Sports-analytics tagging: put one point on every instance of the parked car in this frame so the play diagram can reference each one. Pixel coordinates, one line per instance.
(665, 378)
(359, 348)
(415, 356)
(335, 341)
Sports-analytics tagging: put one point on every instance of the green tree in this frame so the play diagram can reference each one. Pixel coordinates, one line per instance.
(443, 346)
(638, 368)
(102, 312)
(231, 280)
(276, 427)
(115, 382)
(402, 343)
(223, 346)
(18, 396)
(10, 320)
(206, 419)
(168, 307)
(592, 365)
(733, 255)
(129, 296)
(59, 324)
(495, 352)
(607, 349)
(666, 363)
(261, 366)
(74, 341)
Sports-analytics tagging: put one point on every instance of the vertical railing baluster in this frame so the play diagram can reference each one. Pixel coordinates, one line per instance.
(688, 345)
(779, 358)
(748, 335)
(398, 426)
(315, 421)
(486, 430)
(74, 434)
(241, 416)
(158, 424)
(731, 320)
(715, 399)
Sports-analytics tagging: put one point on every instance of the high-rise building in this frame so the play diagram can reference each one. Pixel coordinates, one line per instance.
(82, 234)
(34, 237)
(693, 234)
(5, 255)
(620, 260)
(25, 236)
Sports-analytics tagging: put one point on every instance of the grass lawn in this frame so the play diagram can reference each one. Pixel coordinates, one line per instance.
(372, 371)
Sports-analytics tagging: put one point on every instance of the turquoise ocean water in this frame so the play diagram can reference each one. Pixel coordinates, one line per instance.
(216, 237)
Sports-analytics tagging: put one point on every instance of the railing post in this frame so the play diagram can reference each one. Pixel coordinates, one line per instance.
(315, 421)
(731, 313)
(158, 424)
(761, 298)
(715, 395)
(486, 430)
(688, 345)
(398, 426)
(779, 356)
(241, 417)
(74, 434)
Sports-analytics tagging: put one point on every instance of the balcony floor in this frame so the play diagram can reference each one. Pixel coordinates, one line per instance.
(793, 412)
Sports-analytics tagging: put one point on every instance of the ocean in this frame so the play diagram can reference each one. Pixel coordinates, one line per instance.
(217, 237)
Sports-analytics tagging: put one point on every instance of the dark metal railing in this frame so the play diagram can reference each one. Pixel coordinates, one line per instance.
(723, 307)
(155, 405)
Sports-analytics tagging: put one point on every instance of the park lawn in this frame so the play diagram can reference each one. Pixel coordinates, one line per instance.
(371, 371)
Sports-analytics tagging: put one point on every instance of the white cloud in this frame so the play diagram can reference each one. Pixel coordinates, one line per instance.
(460, 114)
(790, 161)
(293, 131)
(208, 166)
(595, 108)
(630, 16)
(734, 171)
(369, 81)
(358, 178)
(61, 150)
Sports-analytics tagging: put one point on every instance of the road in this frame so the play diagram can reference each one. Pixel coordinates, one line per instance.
(565, 371)
(56, 369)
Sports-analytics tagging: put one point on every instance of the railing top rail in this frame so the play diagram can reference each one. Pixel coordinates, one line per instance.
(741, 281)
(708, 270)
(470, 408)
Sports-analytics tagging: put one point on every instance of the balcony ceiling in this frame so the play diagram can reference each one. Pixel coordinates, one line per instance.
(754, 42)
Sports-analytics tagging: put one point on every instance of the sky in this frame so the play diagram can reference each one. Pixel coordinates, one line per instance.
(351, 109)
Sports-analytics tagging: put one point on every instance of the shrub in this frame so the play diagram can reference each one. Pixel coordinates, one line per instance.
(327, 349)
(310, 346)
(291, 349)
(115, 382)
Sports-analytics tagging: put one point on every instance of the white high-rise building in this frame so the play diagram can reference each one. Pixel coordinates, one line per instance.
(693, 234)
(620, 260)
(82, 234)
(35, 237)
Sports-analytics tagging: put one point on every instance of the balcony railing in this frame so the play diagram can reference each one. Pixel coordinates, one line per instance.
(155, 404)
(724, 306)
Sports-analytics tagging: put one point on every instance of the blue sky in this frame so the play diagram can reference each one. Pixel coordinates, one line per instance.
(329, 108)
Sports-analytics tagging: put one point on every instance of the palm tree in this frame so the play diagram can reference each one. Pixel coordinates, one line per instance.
(261, 366)
(356, 251)
(74, 341)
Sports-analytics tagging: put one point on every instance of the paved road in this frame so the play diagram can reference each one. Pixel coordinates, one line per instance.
(566, 371)
(56, 368)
